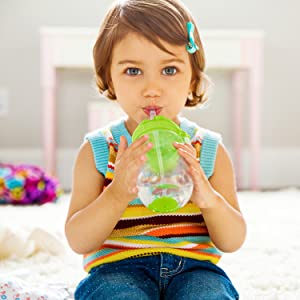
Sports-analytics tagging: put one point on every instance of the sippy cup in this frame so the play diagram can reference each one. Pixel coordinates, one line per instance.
(164, 184)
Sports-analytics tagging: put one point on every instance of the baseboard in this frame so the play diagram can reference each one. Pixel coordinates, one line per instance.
(279, 167)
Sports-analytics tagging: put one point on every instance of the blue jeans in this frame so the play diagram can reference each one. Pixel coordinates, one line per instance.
(163, 276)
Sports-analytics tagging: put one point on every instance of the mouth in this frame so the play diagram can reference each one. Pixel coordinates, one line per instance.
(148, 109)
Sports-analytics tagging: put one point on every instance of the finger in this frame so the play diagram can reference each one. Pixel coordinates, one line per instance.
(139, 153)
(188, 155)
(139, 150)
(137, 161)
(132, 190)
(136, 144)
(192, 161)
(122, 146)
(187, 147)
(133, 169)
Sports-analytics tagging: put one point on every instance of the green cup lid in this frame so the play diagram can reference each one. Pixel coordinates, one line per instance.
(162, 132)
(159, 123)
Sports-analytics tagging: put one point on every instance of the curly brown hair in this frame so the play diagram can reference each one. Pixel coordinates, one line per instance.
(155, 20)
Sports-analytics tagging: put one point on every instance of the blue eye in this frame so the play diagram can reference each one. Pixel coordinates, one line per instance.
(170, 71)
(133, 71)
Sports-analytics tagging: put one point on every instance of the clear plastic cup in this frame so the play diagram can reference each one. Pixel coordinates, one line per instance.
(164, 184)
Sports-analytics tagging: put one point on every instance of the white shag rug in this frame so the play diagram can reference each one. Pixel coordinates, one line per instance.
(33, 249)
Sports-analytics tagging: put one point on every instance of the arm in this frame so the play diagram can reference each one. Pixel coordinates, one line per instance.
(93, 214)
(225, 223)
(217, 199)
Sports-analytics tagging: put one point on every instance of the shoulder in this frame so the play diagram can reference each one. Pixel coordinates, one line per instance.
(198, 133)
(109, 133)
(85, 158)
(205, 142)
(223, 160)
(85, 174)
(100, 133)
(223, 179)
(103, 141)
(87, 182)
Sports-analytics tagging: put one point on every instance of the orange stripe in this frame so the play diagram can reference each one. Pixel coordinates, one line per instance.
(189, 229)
(202, 246)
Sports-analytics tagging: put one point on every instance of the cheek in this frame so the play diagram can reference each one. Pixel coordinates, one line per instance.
(122, 84)
(180, 89)
(120, 87)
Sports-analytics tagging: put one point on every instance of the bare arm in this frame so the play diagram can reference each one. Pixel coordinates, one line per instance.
(225, 223)
(93, 214)
(217, 199)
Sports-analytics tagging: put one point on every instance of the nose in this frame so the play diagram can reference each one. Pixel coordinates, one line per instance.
(152, 88)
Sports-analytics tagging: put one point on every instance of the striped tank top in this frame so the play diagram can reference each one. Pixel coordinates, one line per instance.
(140, 231)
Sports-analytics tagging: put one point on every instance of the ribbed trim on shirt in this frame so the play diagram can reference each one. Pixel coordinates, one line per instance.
(209, 152)
(119, 129)
(100, 150)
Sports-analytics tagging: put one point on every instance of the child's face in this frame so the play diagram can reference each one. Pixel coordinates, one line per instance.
(145, 77)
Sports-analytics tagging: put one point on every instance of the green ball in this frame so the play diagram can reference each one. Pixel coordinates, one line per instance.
(164, 204)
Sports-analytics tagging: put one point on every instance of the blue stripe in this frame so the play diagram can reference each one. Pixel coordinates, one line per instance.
(136, 201)
(98, 254)
(173, 240)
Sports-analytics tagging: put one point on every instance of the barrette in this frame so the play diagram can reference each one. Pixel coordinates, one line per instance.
(191, 47)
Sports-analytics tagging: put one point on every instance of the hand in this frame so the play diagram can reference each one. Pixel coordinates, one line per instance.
(204, 196)
(128, 163)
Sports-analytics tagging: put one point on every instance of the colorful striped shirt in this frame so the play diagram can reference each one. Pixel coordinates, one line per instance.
(140, 231)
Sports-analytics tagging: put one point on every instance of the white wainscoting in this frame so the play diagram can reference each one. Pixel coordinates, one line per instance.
(280, 168)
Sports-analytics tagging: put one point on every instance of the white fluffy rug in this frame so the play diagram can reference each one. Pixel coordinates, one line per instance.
(266, 267)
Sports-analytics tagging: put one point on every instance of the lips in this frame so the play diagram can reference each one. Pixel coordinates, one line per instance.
(148, 109)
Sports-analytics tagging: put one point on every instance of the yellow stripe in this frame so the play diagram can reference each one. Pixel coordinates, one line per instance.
(109, 175)
(140, 210)
(148, 252)
(128, 242)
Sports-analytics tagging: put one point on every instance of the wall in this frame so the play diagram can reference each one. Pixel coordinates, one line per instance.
(20, 130)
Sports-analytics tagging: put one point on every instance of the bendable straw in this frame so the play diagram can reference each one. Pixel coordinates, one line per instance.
(152, 114)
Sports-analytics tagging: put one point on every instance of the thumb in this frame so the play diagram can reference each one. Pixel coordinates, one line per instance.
(122, 146)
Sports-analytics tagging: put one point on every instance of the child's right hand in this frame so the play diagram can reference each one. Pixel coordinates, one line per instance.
(128, 163)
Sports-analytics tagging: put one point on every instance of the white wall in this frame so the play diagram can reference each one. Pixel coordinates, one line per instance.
(20, 75)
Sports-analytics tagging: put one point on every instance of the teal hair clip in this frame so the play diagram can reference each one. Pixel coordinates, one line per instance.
(191, 47)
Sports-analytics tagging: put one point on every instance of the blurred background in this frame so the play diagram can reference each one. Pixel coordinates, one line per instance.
(21, 94)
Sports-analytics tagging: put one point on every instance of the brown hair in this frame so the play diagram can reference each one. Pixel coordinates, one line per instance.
(155, 20)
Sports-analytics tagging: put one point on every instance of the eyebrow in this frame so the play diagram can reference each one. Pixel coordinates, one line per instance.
(136, 62)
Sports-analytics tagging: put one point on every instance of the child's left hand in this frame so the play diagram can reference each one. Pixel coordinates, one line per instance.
(204, 196)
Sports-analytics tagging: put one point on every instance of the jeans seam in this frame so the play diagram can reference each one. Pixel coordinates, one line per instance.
(176, 271)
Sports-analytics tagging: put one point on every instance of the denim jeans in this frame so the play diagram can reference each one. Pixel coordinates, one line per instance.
(163, 276)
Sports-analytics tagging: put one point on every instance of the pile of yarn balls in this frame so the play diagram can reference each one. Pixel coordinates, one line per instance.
(27, 184)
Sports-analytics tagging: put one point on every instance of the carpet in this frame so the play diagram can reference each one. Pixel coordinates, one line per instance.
(33, 248)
